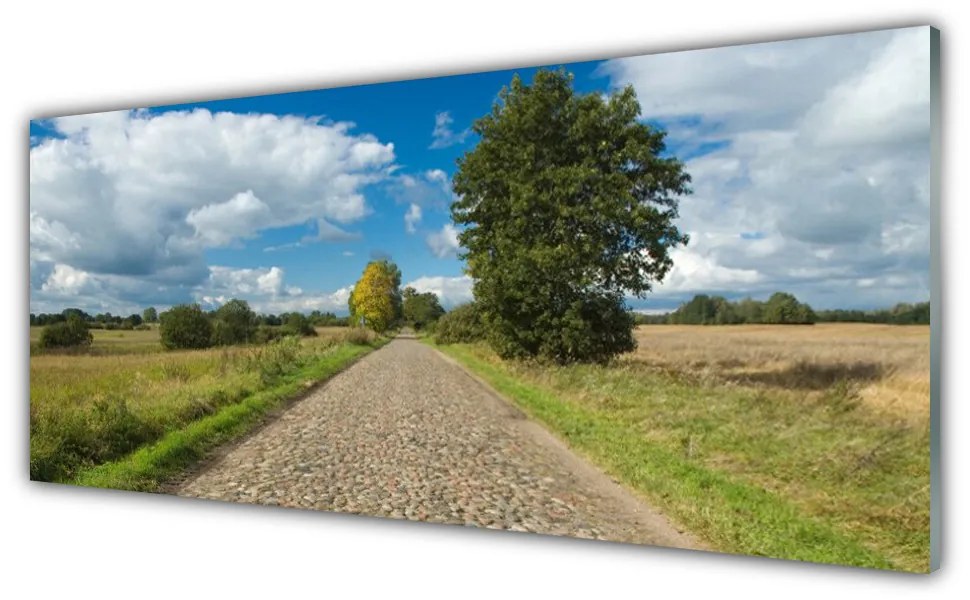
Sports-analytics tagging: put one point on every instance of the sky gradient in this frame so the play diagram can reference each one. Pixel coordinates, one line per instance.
(809, 159)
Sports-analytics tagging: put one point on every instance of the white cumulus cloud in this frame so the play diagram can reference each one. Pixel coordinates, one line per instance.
(451, 291)
(809, 161)
(444, 243)
(143, 194)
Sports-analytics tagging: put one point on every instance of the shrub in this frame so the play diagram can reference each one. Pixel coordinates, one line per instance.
(234, 323)
(267, 333)
(66, 334)
(185, 326)
(460, 325)
(274, 359)
(297, 324)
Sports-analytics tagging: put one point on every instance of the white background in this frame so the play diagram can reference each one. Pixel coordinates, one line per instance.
(77, 58)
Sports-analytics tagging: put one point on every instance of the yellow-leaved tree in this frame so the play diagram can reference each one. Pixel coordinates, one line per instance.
(376, 298)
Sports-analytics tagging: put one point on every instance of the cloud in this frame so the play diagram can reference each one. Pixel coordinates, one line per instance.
(328, 232)
(67, 281)
(427, 189)
(442, 135)
(820, 145)
(696, 272)
(244, 282)
(137, 197)
(444, 243)
(266, 291)
(412, 218)
(222, 223)
(451, 291)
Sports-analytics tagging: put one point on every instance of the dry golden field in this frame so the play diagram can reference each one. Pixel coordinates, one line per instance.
(889, 365)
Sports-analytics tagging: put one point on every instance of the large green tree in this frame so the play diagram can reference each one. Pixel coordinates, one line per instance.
(568, 204)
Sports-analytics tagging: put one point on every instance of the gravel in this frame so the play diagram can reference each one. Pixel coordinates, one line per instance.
(407, 434)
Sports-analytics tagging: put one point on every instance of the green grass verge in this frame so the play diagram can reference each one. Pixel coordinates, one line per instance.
(731, 514)
(150, 466)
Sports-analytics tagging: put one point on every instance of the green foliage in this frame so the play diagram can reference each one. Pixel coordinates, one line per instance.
(376, 298)
(568, 204)
(325, 319)
(268, 333)
(185, 326)
(782, 308)
(702, 309)
(461, 324)
(901, 314)
(149, 315)
(233, 323)
(298, 324)
(66, 334)
(420, 310)
(785, 309)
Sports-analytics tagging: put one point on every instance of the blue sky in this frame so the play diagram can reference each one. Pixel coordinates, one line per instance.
(810, 162)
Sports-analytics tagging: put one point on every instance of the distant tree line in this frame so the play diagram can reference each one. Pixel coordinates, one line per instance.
(99, 321)
(782, 309)
(188, 326)
(903, 313)
(185, 325)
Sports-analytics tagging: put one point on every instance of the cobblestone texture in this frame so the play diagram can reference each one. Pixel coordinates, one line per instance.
(405, 433)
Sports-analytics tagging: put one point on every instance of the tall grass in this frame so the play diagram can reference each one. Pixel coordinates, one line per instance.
(89, 409)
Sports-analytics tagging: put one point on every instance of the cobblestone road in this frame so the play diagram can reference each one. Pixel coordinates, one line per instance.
(406, 433)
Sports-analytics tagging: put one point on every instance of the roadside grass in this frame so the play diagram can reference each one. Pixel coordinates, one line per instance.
(803, 475)
(87, 410)
(150, 466)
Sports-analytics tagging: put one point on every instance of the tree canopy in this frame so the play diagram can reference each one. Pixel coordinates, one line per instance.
(234, 323)
(420, 310)
(376, 298)
(185, 326)
(781, 308)
(568, 204)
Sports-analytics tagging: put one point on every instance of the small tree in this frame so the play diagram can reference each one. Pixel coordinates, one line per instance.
(376, 298)
(149, 315)
(185, 326)
(568, 203)
(234, 323)
(461, 324)
(66, 334)
(297, 324)
(420, 310)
